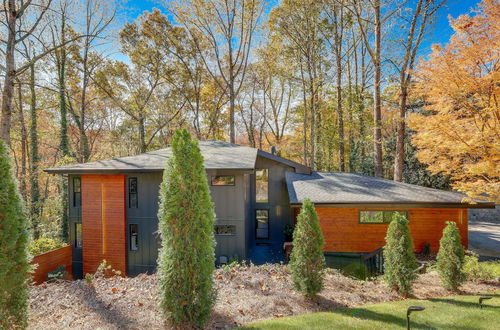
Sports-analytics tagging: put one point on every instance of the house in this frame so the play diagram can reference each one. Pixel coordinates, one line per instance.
(114, 204)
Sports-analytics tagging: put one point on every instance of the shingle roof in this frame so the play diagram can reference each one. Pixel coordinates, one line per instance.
(352, 188)
(217, 155)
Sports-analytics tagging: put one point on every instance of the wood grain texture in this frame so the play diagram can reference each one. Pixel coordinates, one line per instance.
(50, 261)
(103, 222)
(343, 232)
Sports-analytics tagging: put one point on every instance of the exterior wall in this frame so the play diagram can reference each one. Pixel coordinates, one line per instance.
(103, 222)
(343, 232)
(75, 218)
(50, 261)
(280, 213)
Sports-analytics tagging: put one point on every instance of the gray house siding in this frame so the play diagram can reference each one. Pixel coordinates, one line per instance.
(270, 250)
(75, 219)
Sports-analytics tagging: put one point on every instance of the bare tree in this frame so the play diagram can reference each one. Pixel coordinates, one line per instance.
(422, 14)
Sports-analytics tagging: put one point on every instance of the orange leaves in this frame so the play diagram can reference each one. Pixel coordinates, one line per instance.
(461, 136)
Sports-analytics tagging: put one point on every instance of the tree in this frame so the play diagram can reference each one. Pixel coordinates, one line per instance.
(186, 215)
(421, 18)
(450, 258)
(227, 29)
(399, 261)
(458, 134)
(307, 260)
(14, 266)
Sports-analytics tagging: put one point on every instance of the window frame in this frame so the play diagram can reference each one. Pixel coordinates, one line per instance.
(267, 185)
(79, 192)
(76, 245)
(268, 224)
(234, 226)
(223, 185)
(130, 237)
(136, 206)
(406, 213)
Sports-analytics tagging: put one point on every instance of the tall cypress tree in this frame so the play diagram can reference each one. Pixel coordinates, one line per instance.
(307, 260)
(450, 258)
(14, 266)
(400, 262)
(186, 215)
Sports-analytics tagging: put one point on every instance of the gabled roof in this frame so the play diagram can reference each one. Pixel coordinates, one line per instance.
(357, 189)
(217, 155)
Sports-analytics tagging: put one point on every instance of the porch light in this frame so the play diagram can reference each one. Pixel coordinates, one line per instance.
(481, 300)
(409, 311)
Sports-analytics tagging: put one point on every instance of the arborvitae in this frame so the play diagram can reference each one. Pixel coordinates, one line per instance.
(186, 220)
(14, 266)
(399, 261)
(450, 258)
(307, 261)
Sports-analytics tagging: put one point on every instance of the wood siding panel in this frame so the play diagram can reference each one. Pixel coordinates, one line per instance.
(344, 233)
(50, 261)
(103, 222)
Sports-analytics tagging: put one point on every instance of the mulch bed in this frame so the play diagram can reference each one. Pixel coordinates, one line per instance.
(245, 294)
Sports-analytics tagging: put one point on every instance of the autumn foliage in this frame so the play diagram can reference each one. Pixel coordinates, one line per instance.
(461, 135)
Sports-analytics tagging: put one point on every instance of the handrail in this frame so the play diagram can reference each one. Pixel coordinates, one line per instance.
(373, 253)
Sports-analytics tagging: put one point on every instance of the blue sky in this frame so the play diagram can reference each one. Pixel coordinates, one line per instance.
(440, 32)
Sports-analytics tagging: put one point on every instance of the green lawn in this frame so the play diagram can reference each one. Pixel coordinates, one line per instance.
(457, 312)
(493, 267)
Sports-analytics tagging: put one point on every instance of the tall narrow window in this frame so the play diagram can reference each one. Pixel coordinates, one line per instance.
(132, 193)
(261, 186)
(78, 235)
(262, 224)
(77, 192)
(134, 237)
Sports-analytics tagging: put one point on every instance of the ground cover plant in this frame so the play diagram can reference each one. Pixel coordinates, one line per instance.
(456, 312)
(245, 294)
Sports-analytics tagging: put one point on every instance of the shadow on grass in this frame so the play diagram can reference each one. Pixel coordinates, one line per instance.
(468, 304)
(365, 314)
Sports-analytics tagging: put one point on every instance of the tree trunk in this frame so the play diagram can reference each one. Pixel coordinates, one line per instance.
(377, 113)
(400, 137)
(340, 114)
(35, 159)
(10, 73)
(24, 145)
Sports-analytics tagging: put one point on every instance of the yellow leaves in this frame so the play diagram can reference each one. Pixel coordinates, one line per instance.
(461, 136)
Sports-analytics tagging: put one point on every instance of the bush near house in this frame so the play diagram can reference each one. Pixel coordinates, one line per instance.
(186, 220)
(477, 271)
(450, 258)
(307, 261)
(14, 266)
(43, 244)
(400, 262)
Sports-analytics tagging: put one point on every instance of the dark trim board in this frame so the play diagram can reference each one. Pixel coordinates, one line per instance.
(405, 205)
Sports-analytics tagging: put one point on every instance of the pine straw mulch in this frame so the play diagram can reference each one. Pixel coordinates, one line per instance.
(245, 294)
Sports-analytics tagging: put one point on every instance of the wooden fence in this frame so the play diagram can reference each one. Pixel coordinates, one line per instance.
(49, 261)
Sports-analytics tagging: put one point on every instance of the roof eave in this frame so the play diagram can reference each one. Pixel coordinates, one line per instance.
(123, 171)
(483, 205)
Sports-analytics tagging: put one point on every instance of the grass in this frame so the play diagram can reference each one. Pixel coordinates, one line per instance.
(457, 312)
(493, 267)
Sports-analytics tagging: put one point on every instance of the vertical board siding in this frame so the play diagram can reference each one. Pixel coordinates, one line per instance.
(50, 261)
(103, 222)
(343, 232)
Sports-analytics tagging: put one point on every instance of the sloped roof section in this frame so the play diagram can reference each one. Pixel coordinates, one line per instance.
(217, 155)
(351, 188)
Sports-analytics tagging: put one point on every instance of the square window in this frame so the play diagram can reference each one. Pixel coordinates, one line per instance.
(225, 230)
(223, 180)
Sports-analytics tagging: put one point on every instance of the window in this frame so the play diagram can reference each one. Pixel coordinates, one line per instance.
(225, 230)
(223, 180)
(378, 216)
(134, 237)
(78, 235)
(262, 224)
(261, 186)
(77, 192)
(132, 193)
